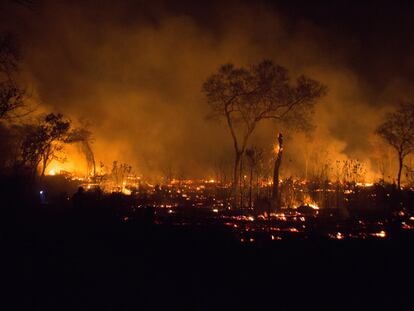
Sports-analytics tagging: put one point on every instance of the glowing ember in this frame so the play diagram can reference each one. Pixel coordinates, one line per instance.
(339, 236)
(313, 205)
(406, 226)
(380, 234)
(366, 184)
(126, 191)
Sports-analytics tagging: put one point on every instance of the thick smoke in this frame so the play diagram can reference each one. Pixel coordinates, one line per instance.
(135, 71)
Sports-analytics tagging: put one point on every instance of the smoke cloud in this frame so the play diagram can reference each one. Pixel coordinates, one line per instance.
(135, 71)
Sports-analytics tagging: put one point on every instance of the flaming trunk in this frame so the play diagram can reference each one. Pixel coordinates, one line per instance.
(278, 162)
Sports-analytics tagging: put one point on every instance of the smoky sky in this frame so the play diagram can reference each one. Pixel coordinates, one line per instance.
(134, 69)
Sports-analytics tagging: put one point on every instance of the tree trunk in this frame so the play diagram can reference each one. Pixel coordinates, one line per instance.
(45, 159)
(236, 176)
(34, 168)
(90, 158)
(251, 187)
(400, 166)
(94, 166)
(241, 182)
(275, 188)
(43, 166)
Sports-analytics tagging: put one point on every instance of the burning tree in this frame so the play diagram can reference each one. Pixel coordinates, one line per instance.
(245, 97)
(398, 131)
(276, 169)
(83, 136)
(42, 142)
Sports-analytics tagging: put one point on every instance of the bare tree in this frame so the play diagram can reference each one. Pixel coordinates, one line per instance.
(83, 136)
(119, 172)
(398, 131)
(11, 99)
(245, 97)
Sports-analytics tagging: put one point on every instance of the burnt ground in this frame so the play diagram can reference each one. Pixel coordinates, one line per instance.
(64, 263)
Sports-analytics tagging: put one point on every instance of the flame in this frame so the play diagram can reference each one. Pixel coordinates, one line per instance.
(276, 148)
(364, 184)
(56, 167)
(309, 202)
(381, 234)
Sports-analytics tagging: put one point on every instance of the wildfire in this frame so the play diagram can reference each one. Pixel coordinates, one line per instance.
(313, 205)
(309, 202)
(276, 148)
(364, 184)
(381, 234)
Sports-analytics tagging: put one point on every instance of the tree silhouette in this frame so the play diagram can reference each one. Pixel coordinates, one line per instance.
(83, 136)
(245, 97)
(398, 131)
(11, 95)
(254, 157)
(43, 141)
(119, 172)
(276, 170)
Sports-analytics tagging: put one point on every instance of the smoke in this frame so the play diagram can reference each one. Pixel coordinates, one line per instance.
(135, 71)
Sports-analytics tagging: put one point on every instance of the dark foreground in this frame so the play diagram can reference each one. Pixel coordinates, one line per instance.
(61, 263)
